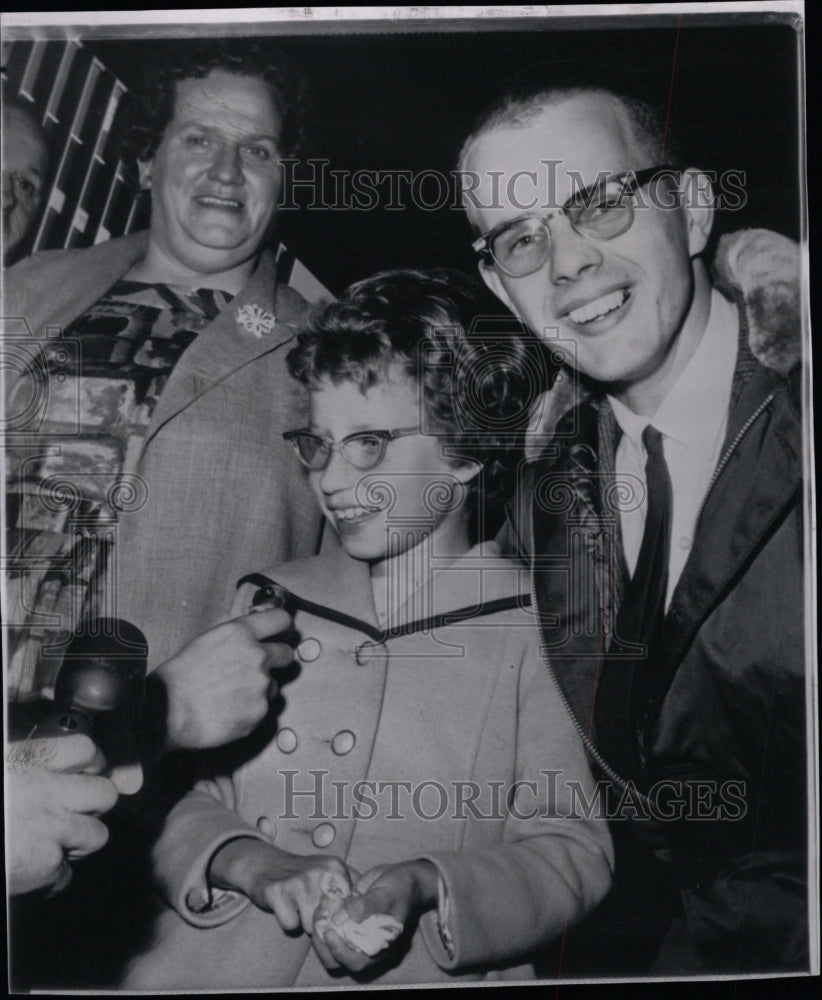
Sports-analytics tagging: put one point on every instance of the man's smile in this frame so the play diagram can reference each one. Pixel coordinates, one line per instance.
(600, 307)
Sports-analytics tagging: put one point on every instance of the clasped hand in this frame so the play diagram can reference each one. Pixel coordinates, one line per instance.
(292, 887)
(403, 891)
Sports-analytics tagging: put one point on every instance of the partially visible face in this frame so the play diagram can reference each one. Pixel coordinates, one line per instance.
(24, 171)
(382, 512)
(617, 304)
(215, 178)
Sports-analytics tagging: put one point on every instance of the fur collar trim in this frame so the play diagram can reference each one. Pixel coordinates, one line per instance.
(765, 268)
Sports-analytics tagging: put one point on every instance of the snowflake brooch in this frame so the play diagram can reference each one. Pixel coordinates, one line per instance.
(256, 320)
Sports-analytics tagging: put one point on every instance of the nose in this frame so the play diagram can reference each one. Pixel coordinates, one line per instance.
(337, 475)
(227, 167)
(571, 253)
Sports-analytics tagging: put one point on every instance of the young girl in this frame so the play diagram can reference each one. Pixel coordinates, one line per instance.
(411, 811)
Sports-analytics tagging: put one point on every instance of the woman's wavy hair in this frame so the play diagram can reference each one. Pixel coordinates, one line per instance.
(477, 373)
(149, 110)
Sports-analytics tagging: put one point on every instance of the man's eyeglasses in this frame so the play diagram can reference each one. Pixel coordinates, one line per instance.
(363, 450)
(602, 212)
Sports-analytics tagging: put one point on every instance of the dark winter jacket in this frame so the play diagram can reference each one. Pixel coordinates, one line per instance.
(708, 755)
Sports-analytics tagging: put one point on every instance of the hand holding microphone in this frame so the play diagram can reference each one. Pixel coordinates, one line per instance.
(99, 693)
(54, 795)
(215, 690)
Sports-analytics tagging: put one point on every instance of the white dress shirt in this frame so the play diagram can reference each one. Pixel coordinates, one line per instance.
(693, 420)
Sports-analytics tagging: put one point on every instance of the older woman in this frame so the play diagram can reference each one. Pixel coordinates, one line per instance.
(148, 472)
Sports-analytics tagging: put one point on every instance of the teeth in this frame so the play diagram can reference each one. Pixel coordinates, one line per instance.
(350, 513)
(599, 307)
(219, 202)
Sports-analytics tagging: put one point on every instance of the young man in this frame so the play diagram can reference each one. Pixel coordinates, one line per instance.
(670, 585)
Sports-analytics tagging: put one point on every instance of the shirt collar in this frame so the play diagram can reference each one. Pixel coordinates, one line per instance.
(694, 411)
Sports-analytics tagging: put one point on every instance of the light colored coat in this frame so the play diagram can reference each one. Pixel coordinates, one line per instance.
(439, 708)
(222, 493)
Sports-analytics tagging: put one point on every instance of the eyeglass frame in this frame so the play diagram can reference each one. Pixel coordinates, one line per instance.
(386, 436)
(636, 179)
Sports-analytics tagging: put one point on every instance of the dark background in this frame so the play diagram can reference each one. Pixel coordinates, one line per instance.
(405, 101)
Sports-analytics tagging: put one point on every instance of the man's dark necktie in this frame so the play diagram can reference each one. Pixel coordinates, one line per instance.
(623, 683)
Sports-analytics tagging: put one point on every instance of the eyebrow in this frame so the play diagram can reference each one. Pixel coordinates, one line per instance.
(215, 129)
(357, 429)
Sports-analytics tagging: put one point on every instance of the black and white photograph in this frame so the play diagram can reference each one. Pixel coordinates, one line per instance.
(408, 547)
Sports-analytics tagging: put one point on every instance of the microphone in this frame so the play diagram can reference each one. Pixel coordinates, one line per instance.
(99, 691)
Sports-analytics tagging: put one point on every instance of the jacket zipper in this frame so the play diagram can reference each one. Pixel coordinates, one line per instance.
(743, 430)
(604, 766)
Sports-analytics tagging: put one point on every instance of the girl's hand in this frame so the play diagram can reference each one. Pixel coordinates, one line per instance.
(288, 885)
(403, 892)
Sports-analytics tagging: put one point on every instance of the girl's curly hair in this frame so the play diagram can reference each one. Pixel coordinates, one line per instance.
(477, 373)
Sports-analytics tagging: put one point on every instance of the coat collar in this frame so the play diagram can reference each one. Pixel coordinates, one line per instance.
(53, 288)
(755, 489)
(334, 580)
(337, 582)
(226, 345)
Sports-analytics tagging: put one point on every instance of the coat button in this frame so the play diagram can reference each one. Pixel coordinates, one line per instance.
(286, 740)
(267, 828)
(371, 652)
(343, 742)
(363, 653)
(198, 900)
(309, 650)
(324, 834)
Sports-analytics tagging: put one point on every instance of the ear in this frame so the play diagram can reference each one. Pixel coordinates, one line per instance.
(489, 275)
(466, 471)
(144, 170)
(698, 202)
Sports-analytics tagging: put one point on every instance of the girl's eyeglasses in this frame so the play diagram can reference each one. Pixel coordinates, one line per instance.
(363, 450)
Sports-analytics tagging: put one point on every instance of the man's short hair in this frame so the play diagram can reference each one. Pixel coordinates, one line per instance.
(152, 106)
(516, 107)
(475, 389)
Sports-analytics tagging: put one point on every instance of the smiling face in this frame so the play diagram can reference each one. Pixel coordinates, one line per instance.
(621, 308)
(215, 178)
(24, 170)
(382, 513)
